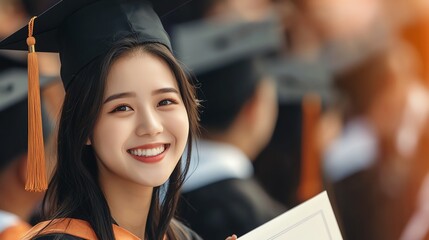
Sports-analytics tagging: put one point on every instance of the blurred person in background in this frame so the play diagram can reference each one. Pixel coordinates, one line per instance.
(298, 71)
(238, 115)
(321, 37)
(17, 204)
(380, 132)
(376, 165)
(277, 167)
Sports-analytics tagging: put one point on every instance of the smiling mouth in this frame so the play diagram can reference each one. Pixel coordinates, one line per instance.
(148, 152)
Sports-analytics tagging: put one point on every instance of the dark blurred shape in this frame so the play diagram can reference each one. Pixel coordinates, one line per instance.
(239, 79)
(278, 167)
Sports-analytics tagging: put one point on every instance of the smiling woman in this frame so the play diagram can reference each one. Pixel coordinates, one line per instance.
(128, 113)
(123, 142)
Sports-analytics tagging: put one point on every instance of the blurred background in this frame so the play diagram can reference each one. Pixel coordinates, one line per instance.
(352, 101)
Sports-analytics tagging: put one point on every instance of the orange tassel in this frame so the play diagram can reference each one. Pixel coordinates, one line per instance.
(36, 169)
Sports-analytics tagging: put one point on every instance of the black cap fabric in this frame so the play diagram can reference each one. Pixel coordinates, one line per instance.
(81, 30)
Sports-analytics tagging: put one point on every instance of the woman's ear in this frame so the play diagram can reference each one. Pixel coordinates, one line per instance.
(88, 142)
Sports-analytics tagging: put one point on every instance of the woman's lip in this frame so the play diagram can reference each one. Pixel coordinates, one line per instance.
(151, 159)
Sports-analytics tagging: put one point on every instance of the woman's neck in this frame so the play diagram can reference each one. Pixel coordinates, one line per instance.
(129, 203)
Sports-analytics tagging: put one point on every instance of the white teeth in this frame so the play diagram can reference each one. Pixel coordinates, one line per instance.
(148, 152)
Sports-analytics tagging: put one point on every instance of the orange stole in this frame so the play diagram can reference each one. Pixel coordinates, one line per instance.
(75, 227)
(15, 232)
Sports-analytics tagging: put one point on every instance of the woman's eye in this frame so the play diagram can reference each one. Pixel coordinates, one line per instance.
(166, 102)
(122, 108)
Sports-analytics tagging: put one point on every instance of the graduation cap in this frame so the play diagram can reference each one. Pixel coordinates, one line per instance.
(13, 114)
(227, 60)
(14, 87)
(80, 31)
(297, 78)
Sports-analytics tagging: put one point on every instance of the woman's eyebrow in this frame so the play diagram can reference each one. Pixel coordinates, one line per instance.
(165, 90)
(119, 95)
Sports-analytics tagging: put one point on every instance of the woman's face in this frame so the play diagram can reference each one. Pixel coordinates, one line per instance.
(143, 125)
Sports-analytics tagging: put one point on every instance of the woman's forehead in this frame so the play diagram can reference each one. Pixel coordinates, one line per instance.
(140, 72)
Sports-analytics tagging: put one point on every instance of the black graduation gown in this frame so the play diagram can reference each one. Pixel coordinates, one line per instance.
(231, 206)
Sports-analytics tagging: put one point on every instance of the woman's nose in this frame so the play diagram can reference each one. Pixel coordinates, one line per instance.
(149, 124)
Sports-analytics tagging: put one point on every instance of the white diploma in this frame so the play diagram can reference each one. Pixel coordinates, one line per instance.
(311, 220)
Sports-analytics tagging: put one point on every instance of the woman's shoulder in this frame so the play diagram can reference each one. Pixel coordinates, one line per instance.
(65, 228)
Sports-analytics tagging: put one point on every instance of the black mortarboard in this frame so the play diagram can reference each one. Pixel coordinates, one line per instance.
(297, 77)
(14, 87)
(227, 61)
(13, 114)
(80, 31)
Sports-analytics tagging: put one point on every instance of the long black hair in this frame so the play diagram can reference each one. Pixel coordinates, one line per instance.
(74, 191)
